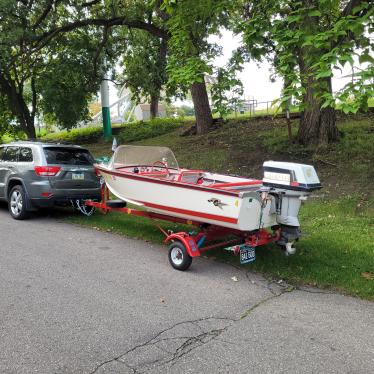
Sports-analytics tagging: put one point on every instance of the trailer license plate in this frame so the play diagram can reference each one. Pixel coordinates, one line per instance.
(77, 176)
(247, 254)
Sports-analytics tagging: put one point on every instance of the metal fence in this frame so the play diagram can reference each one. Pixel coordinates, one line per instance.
(254, 107)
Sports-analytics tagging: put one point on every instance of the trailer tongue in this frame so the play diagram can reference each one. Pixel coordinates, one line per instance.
(249, 211)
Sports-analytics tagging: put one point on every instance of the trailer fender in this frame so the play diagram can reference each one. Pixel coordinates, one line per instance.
(187, 240)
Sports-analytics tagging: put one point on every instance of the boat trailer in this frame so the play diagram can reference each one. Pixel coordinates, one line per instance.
(185, 245)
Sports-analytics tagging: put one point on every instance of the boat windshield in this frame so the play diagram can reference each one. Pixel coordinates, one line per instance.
(131, 155)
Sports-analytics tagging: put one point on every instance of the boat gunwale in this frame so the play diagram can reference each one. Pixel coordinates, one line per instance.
(135, 176)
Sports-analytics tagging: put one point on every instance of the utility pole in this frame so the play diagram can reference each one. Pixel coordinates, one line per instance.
(104, 91)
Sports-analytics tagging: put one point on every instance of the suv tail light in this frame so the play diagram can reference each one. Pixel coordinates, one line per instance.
(46, 171)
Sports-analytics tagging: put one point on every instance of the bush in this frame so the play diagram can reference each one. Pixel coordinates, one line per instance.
(81, 135)
(128, 132)
(144, 130)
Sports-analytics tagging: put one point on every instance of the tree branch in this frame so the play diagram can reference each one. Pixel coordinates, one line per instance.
(44, 15)
(347, 11)
(349, 7)
(100, 48)
(90, 3)
(33, 102)
(45, 38)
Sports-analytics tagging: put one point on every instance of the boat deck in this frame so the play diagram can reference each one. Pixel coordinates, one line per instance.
(201, 178)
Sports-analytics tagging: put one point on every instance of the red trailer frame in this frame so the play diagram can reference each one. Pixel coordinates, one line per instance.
(192, 243)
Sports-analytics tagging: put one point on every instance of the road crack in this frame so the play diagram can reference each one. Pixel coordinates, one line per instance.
(169, 345)
(182, 341)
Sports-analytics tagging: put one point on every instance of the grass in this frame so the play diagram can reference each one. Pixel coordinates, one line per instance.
(337, 251)
(124, 133)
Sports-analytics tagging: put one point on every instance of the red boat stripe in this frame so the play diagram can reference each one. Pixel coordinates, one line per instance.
(192, 213)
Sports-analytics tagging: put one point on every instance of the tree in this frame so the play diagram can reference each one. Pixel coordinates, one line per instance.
(144, 64)
(306, 40)
(52, 53)
(190, 24)
(71, 76)
(227, 91)
(29, 29)
(60, 78)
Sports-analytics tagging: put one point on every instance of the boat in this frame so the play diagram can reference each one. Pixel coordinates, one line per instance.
(150, 178)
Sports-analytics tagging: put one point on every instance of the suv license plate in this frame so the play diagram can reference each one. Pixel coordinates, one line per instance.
(77, 176)
(247, 254)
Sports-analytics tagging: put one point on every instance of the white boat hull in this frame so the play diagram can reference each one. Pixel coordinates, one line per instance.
(236, 210)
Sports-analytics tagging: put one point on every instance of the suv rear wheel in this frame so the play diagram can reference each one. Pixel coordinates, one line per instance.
(17, 203)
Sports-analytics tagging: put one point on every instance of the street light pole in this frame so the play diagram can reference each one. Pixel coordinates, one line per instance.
(104, 92)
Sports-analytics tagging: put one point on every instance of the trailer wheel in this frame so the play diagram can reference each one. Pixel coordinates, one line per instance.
(179, 257)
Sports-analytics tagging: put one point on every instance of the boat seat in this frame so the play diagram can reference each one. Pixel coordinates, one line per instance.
(155, 174)
(192, 177)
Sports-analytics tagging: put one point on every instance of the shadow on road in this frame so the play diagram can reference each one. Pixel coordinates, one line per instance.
(55, 212)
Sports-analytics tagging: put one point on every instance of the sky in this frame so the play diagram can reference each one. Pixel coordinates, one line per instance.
(255, 77)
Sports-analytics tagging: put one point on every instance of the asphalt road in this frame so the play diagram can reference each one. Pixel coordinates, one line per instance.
(74, 300)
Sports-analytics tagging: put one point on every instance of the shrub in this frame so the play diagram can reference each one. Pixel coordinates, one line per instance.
(128, 132)
(81, 135)
(144, 130)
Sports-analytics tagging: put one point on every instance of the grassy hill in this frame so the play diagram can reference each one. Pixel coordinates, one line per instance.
(241, 146)
(337, 251)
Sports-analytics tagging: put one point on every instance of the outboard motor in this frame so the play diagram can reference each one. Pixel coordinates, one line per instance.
(290, 184)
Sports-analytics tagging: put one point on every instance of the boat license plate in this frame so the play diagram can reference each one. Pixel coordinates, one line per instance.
(247, 254)
(77, 176)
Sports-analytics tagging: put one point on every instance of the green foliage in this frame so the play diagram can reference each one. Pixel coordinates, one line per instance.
(190, 24)
(175, 111)
(43, 72)
(306, 40)
(144, 65)
(128, 132)
(69, 81)
(144, 130)
(227, 91)
(78, 135)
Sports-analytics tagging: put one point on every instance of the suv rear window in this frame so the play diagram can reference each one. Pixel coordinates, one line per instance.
(68, 156)
(25, 154)
(10, 154)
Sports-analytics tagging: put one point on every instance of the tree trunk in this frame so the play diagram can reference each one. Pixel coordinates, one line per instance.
(317, 126)
(29, 126)
(18, 106)
(154, 106)
(203, 113)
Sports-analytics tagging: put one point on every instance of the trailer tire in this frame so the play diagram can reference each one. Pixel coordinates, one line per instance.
(178, 256)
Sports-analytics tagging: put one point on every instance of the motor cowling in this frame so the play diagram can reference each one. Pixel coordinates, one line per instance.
(290, 176)
(290, 184)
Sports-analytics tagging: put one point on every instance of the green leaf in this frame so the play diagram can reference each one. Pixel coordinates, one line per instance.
(366, 58)
(324, 74)
(314, 13)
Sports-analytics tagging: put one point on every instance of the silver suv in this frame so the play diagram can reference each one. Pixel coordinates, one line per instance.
(35, 175)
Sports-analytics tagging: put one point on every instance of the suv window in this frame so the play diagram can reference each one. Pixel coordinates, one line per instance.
(68, 156)
(10, 154)
(1, 153)
(25, 154)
